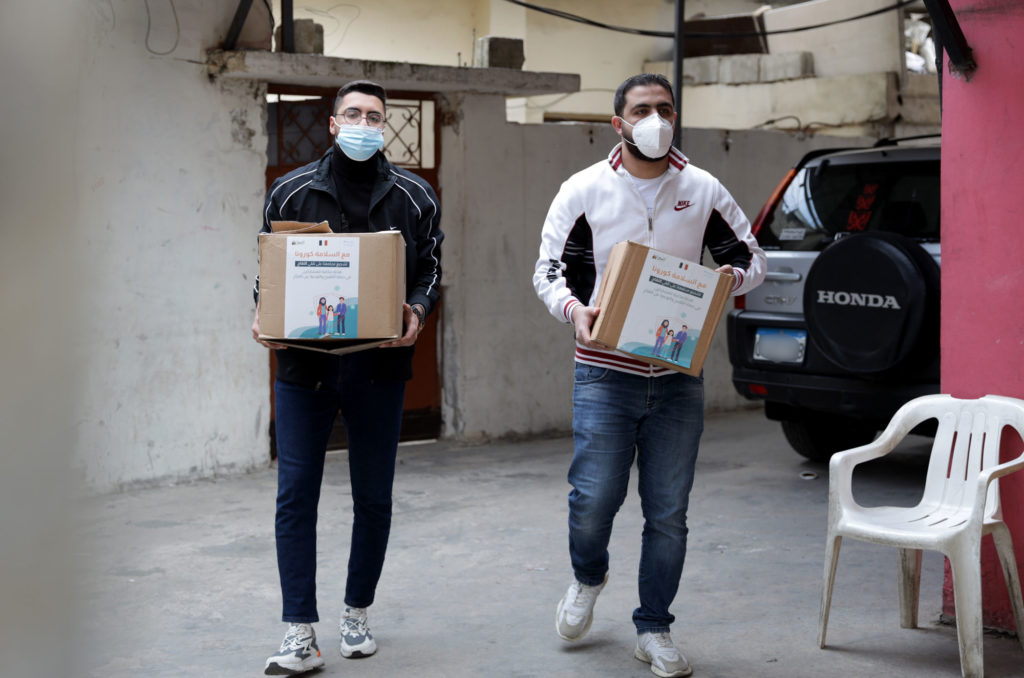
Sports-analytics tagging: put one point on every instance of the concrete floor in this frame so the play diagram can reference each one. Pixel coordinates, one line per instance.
(182, 580)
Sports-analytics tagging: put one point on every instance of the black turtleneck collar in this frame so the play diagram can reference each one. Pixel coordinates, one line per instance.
(353, 171)
(353, 182)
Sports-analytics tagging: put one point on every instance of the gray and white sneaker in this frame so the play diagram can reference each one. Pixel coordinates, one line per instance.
(356, 639)
(575, 612)
(658, 650)
(299, 652)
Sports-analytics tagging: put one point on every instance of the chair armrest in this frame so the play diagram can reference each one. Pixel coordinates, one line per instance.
(986, 477)
(843, 462)
(840, 467)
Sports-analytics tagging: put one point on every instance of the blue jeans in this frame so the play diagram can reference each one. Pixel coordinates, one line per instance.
(372, 412)
(619, 417)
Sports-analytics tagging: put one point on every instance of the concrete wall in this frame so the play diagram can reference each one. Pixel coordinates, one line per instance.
(436, 32)
(859, 63)
(398, 30)
(168, 182)
(507, 364)
(982, 316)
(869, 100)
(871, 45)
(602, 58)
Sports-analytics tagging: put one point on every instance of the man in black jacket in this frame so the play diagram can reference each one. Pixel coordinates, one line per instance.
(355, 189)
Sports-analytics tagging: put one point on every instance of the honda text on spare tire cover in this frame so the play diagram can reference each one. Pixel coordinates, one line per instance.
(845, 328)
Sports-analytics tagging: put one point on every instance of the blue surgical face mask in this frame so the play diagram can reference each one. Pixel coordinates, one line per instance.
(360, 142)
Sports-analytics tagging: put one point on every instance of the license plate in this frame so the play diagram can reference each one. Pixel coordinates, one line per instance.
(778, 345)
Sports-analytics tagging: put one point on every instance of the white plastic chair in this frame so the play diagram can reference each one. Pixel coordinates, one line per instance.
(960, 504)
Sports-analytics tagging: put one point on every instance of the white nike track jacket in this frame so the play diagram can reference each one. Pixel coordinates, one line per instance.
(599, 207)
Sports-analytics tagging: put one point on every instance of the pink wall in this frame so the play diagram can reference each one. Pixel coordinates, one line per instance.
(982, 335)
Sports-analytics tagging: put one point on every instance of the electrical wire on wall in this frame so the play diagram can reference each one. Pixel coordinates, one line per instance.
(802, 129)
(329, 13)
(270, 14)
(558, 98)
(668, 34)
(149, 26)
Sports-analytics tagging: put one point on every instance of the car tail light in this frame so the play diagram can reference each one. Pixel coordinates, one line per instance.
(758, 389)
(764, 217)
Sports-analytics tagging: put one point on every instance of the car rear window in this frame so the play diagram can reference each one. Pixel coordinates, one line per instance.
(827, 198)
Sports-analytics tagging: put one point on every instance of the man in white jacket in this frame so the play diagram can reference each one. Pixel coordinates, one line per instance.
(623, 408)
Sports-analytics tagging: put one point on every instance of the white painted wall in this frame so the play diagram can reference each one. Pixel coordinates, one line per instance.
(168, 178)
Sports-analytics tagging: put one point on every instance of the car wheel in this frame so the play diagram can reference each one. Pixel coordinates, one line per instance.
(817, 436)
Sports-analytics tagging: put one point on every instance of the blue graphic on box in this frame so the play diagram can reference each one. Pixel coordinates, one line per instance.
(674, 344)
(668, 309)
(335, 319)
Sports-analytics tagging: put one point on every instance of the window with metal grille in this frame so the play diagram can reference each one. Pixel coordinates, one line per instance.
(297, 127)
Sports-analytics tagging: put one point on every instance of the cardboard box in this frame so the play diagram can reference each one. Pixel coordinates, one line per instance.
(333, 292)
(646, 293)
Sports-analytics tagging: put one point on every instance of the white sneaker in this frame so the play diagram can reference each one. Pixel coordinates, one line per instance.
(299, 652)
(356, 639)
(658, 650)
(575, 611)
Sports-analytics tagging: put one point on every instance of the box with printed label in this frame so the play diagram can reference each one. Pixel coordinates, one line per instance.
(334, 292)
(659, 308)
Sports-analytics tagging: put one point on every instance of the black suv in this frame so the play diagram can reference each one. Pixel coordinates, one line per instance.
(845, 328)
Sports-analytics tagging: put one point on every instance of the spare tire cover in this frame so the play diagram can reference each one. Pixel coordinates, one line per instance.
(867, 301)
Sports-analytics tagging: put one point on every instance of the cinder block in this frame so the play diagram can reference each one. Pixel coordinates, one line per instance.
(495, 52)
(701, 70)
(787, 66)
(738, 69)
(309, 37)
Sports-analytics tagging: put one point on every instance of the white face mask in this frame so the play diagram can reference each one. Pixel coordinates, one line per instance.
(652, 136)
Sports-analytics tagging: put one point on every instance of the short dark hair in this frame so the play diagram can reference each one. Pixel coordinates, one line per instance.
(639, 81)
(364, 86)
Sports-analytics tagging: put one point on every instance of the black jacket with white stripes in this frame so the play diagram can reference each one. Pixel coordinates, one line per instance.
(399, 200)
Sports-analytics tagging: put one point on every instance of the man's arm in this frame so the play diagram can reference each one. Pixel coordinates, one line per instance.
(549, 275)
(427, 288)
(732, 244)
(564, 222)
(267, 208)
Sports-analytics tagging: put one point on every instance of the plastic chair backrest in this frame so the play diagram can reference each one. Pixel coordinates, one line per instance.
(967, 442)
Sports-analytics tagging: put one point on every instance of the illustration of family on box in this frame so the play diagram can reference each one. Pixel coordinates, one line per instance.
(331, 320)
(665, 338)
(670, 344)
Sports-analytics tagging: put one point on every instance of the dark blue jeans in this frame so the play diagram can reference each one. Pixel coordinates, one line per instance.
(372, 412)
(619, 417)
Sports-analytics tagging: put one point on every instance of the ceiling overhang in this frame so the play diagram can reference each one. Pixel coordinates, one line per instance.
(313, 70)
